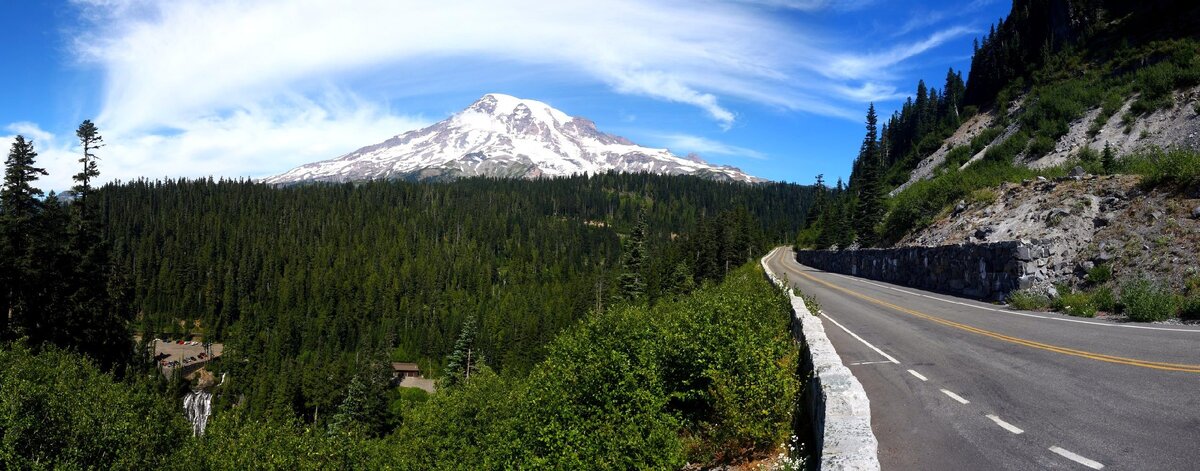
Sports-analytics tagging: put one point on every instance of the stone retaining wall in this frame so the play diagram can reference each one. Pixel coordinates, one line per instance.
(984, 271)
(835, 403)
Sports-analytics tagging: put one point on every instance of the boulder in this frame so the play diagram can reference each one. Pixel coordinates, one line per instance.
(1196, 212)
(1077, 172)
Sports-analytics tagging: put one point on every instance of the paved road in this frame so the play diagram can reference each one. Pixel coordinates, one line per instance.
(958, 384)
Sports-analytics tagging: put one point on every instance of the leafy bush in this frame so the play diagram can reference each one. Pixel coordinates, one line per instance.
(1075, 303)
(58, 410)
(983, 195)
(1174, 168)
(1100, 274)
(1178, 67)
(1028, 300)
(1145, 300)
(1040, 145)
(703, 379)
(235, 441)
(1190, 308)
(1104, 299)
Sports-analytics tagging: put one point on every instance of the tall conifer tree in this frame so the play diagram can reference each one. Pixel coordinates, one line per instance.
(19, 207)
(869, 204)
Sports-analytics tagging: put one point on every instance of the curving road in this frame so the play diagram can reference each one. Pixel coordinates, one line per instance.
(958, 384)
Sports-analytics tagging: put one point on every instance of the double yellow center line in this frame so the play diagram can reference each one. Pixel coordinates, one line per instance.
(1008, 338)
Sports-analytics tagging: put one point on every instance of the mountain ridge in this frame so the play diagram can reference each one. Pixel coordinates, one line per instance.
(504, 136)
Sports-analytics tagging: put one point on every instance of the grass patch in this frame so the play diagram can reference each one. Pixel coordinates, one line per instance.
(1190, 308)
(1176, 168)
(811, 303)
(1104, 299)
(1028, 300)
(1100, 274)
(961, 154)
(1075, 303)
(983, 195)
(1145, 300)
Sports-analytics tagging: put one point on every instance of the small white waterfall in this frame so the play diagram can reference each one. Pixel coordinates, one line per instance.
(197, 406)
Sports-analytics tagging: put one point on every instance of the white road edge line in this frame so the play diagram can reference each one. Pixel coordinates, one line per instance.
(1009, 311)
(1076, 458)
(860, 339)
(955, 396)
(918, 375)
(1005, 425)
(857, 363)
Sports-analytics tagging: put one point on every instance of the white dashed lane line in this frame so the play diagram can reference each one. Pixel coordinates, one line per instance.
(1076, 458)
(860, 339)
(994, 418)
(1005, 425)
(955, 397)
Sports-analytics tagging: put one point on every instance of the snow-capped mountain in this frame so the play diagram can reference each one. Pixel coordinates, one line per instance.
(504, 136)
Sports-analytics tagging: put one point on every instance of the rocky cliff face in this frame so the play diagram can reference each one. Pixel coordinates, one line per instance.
(505, 136)
(1082, 221)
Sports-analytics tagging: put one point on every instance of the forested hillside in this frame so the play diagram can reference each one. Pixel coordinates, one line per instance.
(706, 378)
(304, 282)
(1035, 76)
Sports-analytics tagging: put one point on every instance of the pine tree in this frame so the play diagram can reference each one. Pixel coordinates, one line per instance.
(869, 202)
(682, 280)
(466, 356)
(96, 321)
(818, 205)
(630, 284)
(1108, 159)
(20, 207)
(89, 140)
(364, 408)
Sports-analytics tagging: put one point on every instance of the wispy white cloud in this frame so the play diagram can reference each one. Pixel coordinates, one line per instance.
(863, 66)
(813, 5)
(687, 143)
(922, 18)
(226, 87)
(256, 140)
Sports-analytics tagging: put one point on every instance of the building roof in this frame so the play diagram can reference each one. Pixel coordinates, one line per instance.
(404, 366)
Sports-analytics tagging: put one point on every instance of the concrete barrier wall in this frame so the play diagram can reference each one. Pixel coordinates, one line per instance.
(985, 271)
(835, 402)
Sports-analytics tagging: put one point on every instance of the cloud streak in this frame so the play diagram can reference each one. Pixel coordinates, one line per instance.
(687, 143)
(201, 87)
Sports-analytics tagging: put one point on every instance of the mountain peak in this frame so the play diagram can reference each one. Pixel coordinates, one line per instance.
(501, 135)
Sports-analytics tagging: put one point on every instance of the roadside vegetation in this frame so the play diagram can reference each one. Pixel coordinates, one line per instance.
(1139, 298)
(707, 378)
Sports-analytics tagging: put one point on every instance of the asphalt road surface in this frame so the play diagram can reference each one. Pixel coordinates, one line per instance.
(959, 384)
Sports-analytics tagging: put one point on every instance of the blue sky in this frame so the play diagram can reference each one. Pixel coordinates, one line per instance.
(235, 88)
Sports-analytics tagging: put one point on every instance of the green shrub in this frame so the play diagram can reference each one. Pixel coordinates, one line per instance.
(1100, 274)
(1040, 145)
(1075, 303)
(703, 379)
(1145, 300)
(1104, 299)
(1028, 300)
(1190, 308)
(235, 441)
(59, 411)
(1175, 168)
